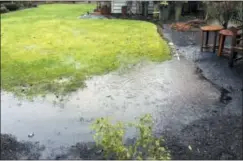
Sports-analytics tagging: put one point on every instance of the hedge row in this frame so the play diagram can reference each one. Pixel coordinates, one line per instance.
(6, 6)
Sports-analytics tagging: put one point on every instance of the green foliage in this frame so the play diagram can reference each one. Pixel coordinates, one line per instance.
(11, 6)
(48, 49)
(222, 10)
(238, 13)
(156, 11)
(3, 9)
(164, 3)
(111, 138)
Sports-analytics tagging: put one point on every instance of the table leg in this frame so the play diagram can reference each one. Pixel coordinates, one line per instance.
(214, 42)
(202, 39)
(207, 35)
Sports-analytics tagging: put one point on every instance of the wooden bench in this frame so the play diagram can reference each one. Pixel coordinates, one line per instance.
(232, 32)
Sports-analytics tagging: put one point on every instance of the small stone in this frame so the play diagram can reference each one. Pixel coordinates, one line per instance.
(226, 156)
(171, 43)
(198, 150)
(19, 104)
(81, 119)
(62, 106)
(189, 147)
(31, 135)
(99, 151)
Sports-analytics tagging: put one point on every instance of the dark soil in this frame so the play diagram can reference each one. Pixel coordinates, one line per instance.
(84, 151)
(12, 149)
(212, 138)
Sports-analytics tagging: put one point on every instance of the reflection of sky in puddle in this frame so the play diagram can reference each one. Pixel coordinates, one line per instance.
(168, 91)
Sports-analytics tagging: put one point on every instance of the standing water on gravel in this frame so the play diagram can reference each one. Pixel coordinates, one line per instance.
(170, 91)
(187, 99)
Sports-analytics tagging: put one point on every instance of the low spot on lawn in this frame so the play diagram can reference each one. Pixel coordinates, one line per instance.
(48, 43)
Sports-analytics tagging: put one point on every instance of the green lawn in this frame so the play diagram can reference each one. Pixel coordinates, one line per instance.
(49, 50)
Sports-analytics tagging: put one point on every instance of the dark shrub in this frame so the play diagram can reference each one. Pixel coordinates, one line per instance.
(34, 5)
(29, 4)
(3, 9)
(11, 6)
(20, 4)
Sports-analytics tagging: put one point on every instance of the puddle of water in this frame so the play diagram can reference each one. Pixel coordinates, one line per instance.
(170, 91)
(89, 16)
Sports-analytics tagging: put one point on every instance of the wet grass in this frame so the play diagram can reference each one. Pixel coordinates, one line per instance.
(49, 50)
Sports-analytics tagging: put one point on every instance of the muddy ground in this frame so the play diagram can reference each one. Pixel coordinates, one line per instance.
(195, 100)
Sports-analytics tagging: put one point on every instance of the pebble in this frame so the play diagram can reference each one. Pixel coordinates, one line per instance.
(81, 119)
(171, 43)
(31, 135)
(226, 156)
(99, 151)
(189, 147)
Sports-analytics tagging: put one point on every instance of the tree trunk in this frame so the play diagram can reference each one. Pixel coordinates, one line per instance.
(225, 24)
(205, 11)
(178, 9)
(164, 13)
(226, 17)
(145, 9)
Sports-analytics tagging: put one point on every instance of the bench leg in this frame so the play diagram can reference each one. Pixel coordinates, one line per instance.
(221, 45)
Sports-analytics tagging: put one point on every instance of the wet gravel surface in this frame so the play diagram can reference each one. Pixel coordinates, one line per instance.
(11, 149)
(90, 16)
(194, 98)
